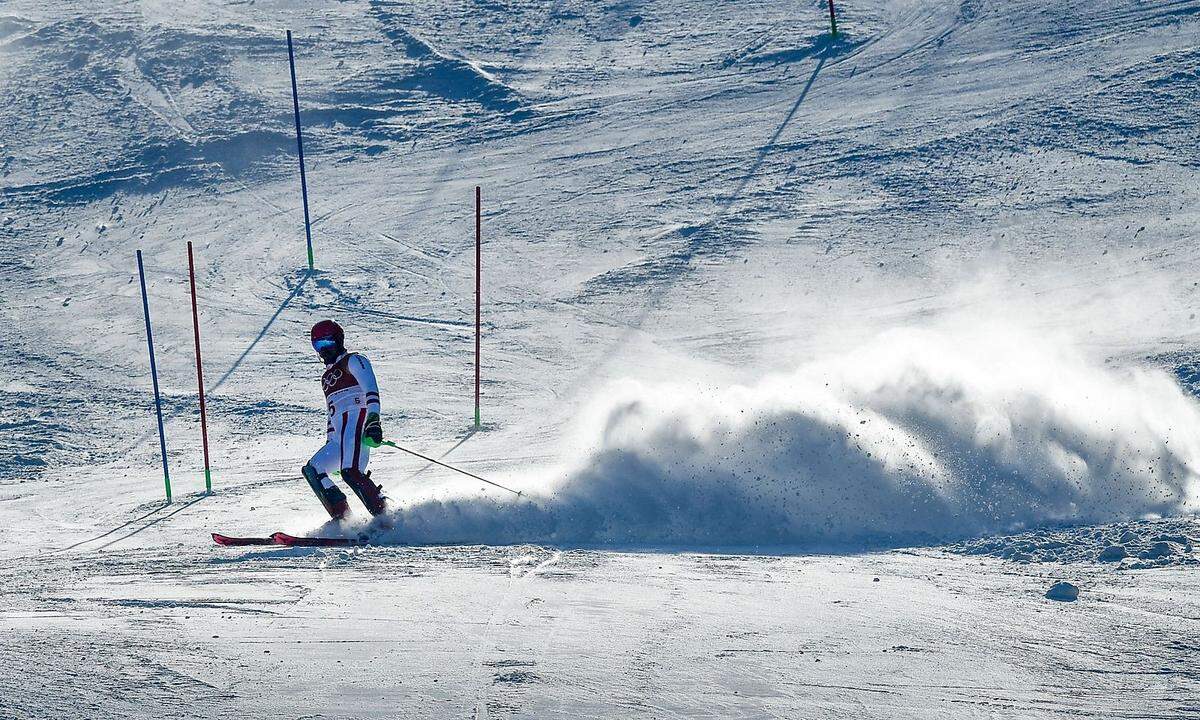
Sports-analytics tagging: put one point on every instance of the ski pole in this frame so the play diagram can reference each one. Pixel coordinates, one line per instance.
(389, 443)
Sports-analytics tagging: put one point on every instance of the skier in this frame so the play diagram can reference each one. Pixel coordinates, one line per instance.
(352, 397)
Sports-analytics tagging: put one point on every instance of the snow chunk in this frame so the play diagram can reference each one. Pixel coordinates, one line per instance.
(1158, 550)
(1063, 592)
(1139, 544)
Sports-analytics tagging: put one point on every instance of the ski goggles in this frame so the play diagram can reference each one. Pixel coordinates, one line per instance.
(322, 344)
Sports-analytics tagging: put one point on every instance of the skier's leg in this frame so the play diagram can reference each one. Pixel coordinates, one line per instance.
(371, 494)
(354, 457)
(316, 473)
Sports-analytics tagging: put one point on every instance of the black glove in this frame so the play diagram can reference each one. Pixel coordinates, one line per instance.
(373, 431)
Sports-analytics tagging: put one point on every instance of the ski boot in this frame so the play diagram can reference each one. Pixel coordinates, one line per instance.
(366, 490)
(331, 497)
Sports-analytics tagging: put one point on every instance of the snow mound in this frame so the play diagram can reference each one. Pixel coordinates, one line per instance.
(921, 436)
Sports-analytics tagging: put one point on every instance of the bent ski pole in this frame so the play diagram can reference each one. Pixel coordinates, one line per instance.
(389, 443)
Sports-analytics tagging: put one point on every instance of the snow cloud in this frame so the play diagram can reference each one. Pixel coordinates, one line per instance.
(922, 434)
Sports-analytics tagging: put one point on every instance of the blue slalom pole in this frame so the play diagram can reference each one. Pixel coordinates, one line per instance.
(300, 150)
(162, 436)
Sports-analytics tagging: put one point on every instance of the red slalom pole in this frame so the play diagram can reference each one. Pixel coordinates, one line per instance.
(199, 370)
(478, 294)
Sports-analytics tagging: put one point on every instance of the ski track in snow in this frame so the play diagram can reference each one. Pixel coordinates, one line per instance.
(819, 361)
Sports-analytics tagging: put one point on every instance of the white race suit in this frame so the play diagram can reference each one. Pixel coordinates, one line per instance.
(351, 393)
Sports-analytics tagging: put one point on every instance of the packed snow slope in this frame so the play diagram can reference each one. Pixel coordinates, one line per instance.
(925, 280)
(751, 294)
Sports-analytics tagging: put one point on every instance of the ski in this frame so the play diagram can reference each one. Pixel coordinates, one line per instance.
(280, 538)
(228, 541)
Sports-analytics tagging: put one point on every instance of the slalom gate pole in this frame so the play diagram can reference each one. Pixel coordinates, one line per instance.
(199, 371)
(162, 436)
(389, 443)
(300, 151)
(478, 293)
(832, 20)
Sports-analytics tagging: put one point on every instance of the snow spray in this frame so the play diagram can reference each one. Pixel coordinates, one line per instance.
(919, 435)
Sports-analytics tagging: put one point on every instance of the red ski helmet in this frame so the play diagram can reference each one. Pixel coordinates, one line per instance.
(328, 329)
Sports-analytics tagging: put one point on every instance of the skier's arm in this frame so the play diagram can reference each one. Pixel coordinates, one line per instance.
(361, 367)
(373, 429)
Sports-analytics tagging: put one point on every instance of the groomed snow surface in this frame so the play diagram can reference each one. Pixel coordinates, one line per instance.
(840, 377)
